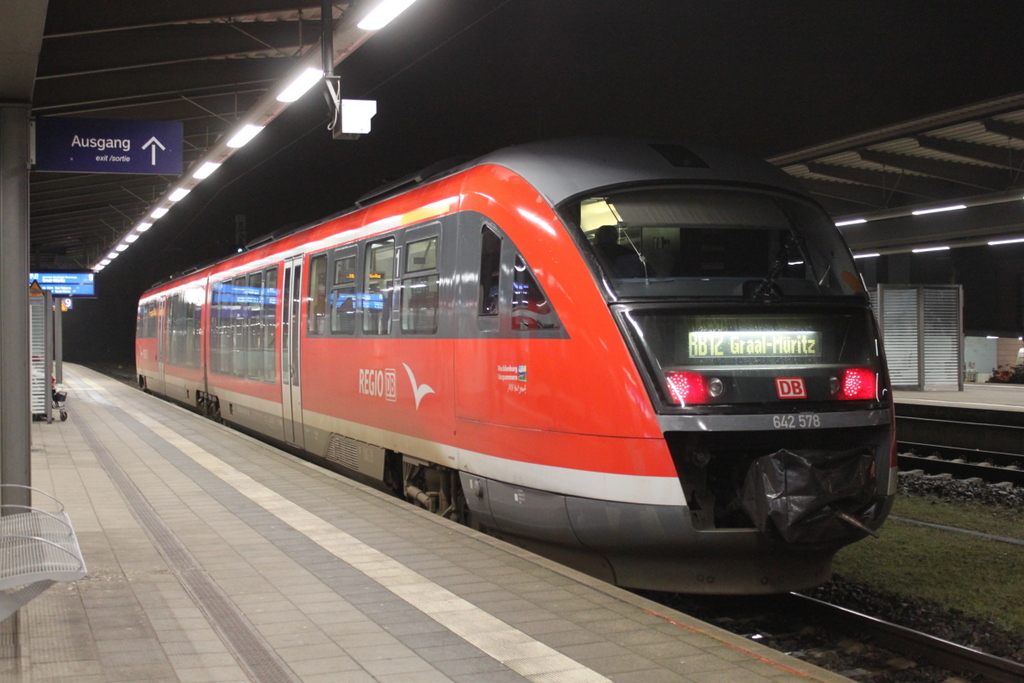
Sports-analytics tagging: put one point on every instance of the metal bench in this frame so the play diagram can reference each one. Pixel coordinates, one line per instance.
(37, 549)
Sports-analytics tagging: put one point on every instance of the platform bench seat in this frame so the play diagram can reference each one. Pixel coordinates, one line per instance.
(37, 548)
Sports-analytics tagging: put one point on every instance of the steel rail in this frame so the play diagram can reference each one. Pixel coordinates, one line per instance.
(961, 470)
(937, 651)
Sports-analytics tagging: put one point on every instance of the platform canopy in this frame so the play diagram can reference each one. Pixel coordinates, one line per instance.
(205, 63)
(952, 178)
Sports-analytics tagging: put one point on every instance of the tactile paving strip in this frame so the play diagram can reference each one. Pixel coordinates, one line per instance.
(238, 634)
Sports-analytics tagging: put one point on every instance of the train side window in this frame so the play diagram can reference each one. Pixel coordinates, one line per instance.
(172, 329)
(378, 285)
(531, 309)
(269, 297)
(316, 312)
(195, 300)
(254, 323)
(220, 323)
(146, 325)
(490, 271)
(183, 321)
(420, 291)
(343, 293)
(238, 327)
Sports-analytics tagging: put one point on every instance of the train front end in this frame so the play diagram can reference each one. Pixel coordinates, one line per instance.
(747, 319)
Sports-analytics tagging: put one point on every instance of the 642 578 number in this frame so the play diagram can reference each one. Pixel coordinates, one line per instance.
(797, 421)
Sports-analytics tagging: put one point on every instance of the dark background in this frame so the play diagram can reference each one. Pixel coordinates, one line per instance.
(463, 77)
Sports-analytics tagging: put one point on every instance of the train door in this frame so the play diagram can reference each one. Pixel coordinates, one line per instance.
(508, 368)
(159, 385)
(479, 319)
(291, 394)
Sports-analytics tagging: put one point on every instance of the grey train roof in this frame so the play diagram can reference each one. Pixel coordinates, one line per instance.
(561, 169)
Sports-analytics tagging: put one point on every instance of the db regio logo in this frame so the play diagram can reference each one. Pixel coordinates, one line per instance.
(380, 383)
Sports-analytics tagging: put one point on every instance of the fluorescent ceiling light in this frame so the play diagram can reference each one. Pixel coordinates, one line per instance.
(130, 238)
(854, 221)
(1014, 241)
(143, 227)
(104, 262)
(924, 249)
(303, 82)
(991, 337)
(121, 247)
(922, 212)
(159, 212)
(247, 133)
(113, 255)
(871, 255)
(382, 15)
(205, 170)
(179, 194)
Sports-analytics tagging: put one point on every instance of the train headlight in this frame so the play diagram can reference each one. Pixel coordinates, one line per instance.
(855, 384)
(715, 387)
(687, 388)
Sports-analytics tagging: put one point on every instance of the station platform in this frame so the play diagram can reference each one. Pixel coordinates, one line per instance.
(986, 396)
(215, 557)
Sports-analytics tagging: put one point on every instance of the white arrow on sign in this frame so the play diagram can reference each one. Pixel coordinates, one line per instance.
(154, 143)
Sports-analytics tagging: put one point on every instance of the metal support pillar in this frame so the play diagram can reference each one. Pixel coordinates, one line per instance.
(48, 353)
(15, 411)
(58, 342)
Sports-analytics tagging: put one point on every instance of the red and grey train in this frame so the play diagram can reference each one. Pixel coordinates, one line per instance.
(656, 363)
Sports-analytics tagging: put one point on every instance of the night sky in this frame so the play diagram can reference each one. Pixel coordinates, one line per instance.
(463, 77)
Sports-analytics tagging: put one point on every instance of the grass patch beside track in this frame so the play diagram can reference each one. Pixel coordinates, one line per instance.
(973, 516)
(981, 577)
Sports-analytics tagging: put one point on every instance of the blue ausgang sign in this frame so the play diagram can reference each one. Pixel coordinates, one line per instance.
(108, 146)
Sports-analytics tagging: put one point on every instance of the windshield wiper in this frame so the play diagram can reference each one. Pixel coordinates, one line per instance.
(768, 289)
(643, 261)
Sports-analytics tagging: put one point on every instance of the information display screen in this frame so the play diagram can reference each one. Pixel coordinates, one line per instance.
(754, 344)
(66, 284)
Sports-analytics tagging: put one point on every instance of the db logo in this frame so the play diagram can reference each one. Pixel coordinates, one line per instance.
(790, 387)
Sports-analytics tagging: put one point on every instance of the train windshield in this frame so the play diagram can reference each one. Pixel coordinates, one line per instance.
(714, 242)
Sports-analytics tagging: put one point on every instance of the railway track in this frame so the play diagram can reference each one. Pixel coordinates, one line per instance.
(960, 463)
(964, 442)
(845, 641)
(936, 651)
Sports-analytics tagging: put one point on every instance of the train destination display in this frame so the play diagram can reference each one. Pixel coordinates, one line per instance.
(757, 344)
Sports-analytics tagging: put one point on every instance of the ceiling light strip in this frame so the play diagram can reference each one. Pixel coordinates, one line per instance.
(350, 33)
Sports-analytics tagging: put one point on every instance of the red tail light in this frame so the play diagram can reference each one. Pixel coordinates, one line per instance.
(686, 388)
(857, 384)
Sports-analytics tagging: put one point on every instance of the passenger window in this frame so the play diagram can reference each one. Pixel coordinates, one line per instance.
(254, 325)
(490, 271)
(343, 294)
(269, 297)
(220, 323)
(420, 292)
(530, 308)
(378, 283)
(316, 312)
(238, 326)
(421, 255)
